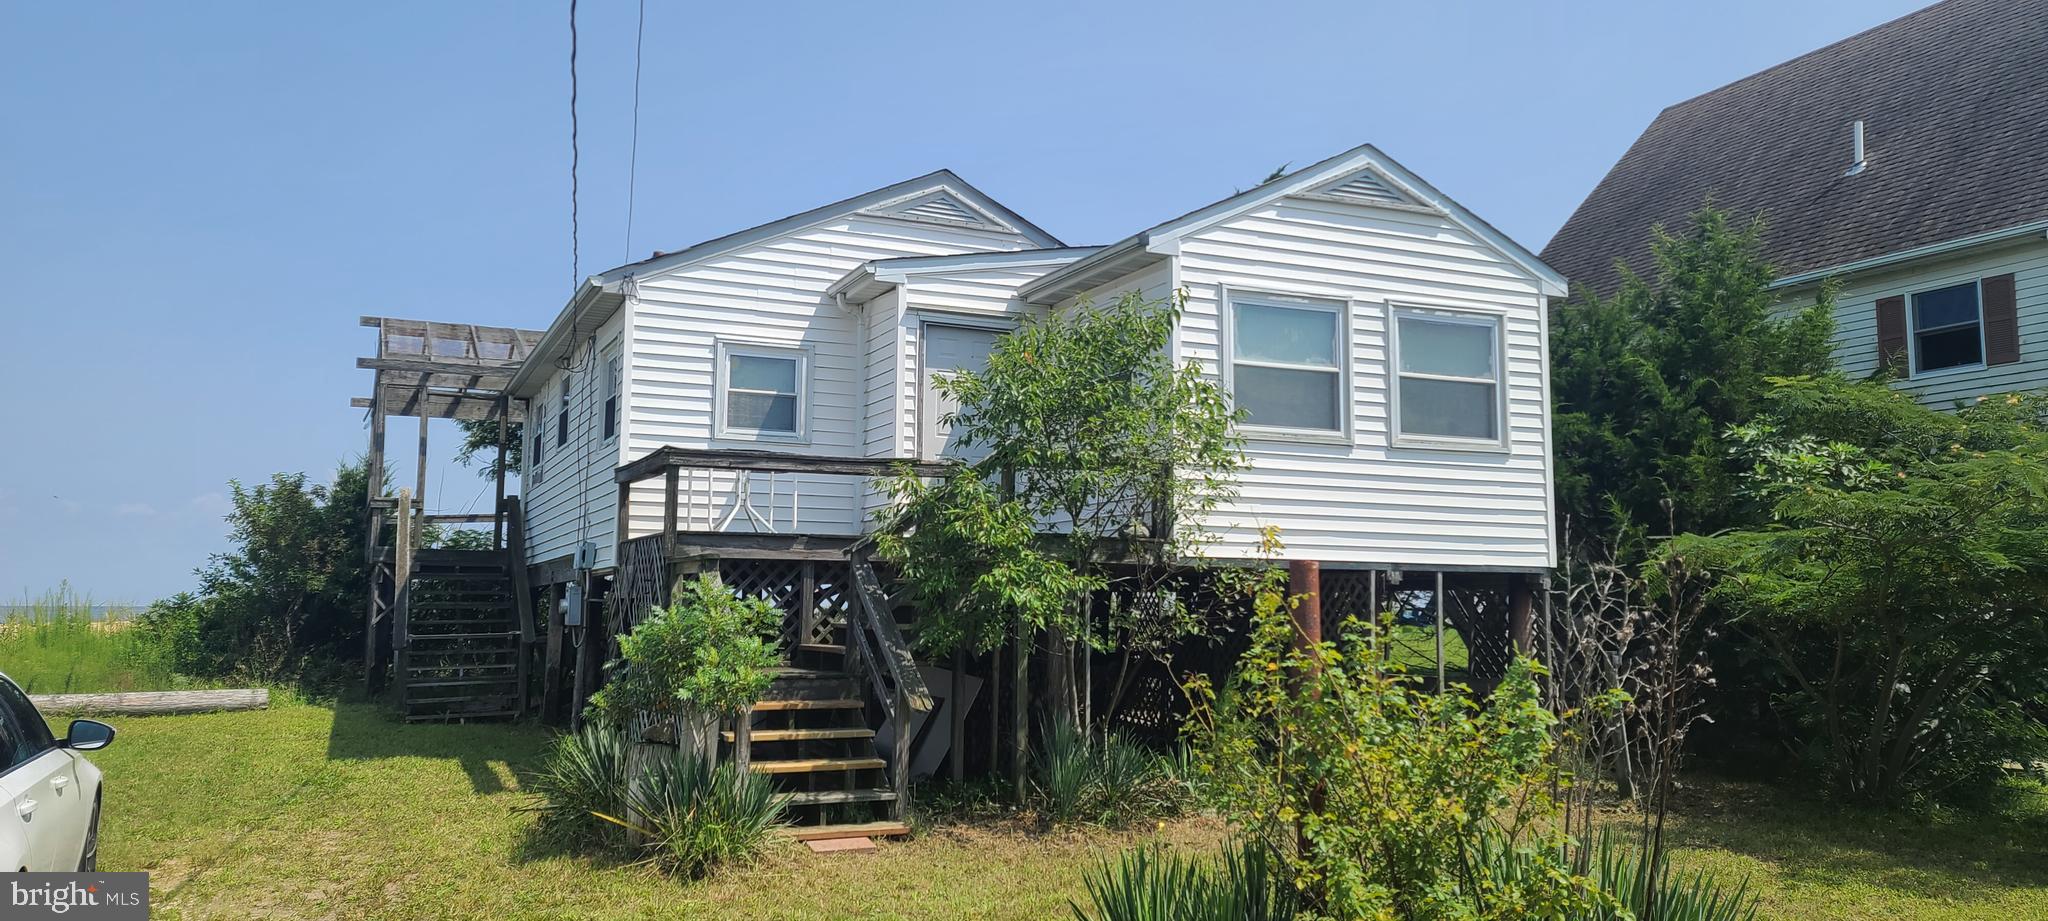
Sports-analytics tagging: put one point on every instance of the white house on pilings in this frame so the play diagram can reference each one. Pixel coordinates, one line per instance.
(724, 405)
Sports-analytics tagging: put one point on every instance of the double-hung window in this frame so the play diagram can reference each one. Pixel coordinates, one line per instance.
(761, 391)
(538, 430)
(1287, 364)
(562, 416)
(612, 372)
(1447, 379)
(1948, 329)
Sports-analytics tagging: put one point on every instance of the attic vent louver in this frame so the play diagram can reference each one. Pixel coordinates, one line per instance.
(1366, 187)
(943, 208)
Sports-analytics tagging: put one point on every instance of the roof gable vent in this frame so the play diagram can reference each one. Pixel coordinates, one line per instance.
(1363, 187)
(940, 206)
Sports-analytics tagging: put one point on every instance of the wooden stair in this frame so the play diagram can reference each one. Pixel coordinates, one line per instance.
(461, 657)
(810, 734)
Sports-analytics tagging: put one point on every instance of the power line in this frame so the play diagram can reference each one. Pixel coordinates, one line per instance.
(575, 160)
(633, 160)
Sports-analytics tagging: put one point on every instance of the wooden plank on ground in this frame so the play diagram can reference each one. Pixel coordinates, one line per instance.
(147, 703)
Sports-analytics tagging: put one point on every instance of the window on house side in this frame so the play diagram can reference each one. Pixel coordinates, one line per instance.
(763, 392)
(1448, 382)
(562, 417)
(533, 457)
(1285, 364)
(1948, 328)
(611, 398)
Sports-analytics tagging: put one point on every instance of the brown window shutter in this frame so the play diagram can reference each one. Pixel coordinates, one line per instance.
(2001, 321)
(1891, 333)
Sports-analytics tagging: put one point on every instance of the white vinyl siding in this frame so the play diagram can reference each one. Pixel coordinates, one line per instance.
(574, 499)
(1855, 340)
(1366, 500)
(772, 293)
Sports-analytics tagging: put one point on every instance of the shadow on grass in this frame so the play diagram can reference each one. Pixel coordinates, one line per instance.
(1947, 854)
(366, 730)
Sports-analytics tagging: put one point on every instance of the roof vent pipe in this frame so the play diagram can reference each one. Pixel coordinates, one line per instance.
(1856, 145)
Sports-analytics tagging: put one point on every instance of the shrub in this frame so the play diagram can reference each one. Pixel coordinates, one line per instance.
(708, 653)
(699, 817)
(581, 782)
(1381, 797)
(1114, 781)
(1151, 884)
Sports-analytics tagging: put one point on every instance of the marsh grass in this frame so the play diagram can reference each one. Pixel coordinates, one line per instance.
(52, 644)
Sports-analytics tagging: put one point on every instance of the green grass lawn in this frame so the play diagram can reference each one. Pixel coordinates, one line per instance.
(309, 811)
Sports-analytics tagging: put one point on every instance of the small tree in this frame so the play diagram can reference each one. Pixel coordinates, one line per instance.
(1899, 585)
(1109, 452)
(1647, 382)
(708, 654)
(480, 437)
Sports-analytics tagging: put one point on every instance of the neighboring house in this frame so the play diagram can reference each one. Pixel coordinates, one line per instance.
(1908, 163)
(819, 335)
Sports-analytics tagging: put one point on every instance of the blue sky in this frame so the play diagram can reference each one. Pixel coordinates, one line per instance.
(198, 200)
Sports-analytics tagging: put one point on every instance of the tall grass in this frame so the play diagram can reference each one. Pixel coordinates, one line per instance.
(51, 644)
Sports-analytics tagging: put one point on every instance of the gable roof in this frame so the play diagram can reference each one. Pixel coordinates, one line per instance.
(1955, 104)
(601, 295)
(1361, 175)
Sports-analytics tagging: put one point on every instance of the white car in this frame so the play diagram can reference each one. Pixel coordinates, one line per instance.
(49, 793)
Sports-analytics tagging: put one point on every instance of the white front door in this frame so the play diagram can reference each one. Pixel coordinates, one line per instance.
(948, 349)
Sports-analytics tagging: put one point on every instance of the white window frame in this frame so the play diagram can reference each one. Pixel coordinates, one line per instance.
(612, 408)
(1495, 320)
(1230, 299)
(801, 354)
(536, 453)
(1913, 371)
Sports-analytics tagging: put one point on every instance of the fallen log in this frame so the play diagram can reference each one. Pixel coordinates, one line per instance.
(154, 703)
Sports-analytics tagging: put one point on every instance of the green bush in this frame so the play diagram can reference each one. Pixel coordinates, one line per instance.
(1383, 795)
(1152, 884)
(581, 782)
(1113, 781)
(707, 654)
(701, 817)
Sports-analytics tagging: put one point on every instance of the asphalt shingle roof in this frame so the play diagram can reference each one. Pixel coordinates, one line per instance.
(1955, 104)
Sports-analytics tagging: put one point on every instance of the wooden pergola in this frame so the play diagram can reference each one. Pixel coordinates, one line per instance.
(430, 370)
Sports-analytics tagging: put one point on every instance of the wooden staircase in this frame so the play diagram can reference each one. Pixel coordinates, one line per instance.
(811, 736)
(814, 733)
(460, 652)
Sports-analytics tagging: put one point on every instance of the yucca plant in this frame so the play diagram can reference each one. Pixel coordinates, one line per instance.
(1647, 890)
(1152, 884)
(580, 784)
(698, 817)
(1112, 781)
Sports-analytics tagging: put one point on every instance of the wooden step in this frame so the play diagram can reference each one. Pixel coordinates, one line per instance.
(787, 673)
(512, 634)
(803, 735)
(829, 832)
(460, 682)
(824, 797)
(458, 715)
(814, 765)
(763, 706)
(823, 649)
